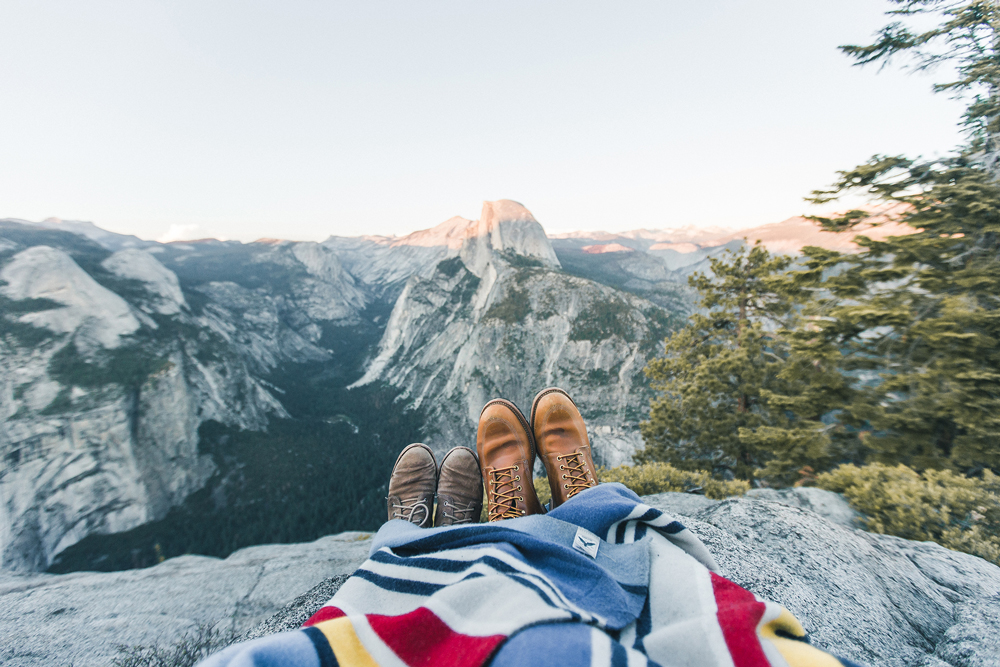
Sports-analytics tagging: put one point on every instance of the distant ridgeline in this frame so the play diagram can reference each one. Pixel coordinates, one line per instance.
(198, 397)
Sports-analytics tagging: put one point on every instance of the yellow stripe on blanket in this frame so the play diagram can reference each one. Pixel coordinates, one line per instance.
(795, 653)
(348, 649)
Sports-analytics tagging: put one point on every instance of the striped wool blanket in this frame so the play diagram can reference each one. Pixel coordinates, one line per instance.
(601, 580)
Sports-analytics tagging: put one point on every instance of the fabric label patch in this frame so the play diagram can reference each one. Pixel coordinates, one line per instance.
(586, 542)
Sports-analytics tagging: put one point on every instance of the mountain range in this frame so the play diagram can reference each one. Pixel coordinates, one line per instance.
(205, 395)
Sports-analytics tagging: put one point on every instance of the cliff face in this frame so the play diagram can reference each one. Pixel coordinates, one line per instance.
(456, 339)
(107, 371)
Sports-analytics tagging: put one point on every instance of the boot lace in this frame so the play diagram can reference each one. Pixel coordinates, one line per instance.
(452, 512)
(411, 510)
(574, 473)
(503, 486)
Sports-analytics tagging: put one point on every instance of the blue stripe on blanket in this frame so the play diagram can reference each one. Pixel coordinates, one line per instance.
(442, 564)
(653, 513)
(455, 566)
(545, 646)
(413, 587)
(398, 585)
(323, 650)
(610, 586)
(643, 626)
(671, 528)
(619, 657)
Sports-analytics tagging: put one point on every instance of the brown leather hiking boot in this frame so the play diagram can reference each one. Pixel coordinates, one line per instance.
(459, 489)
(561, 437)
(412, 485)
(507, 456)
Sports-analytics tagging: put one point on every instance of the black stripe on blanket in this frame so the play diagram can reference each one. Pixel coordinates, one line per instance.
(634, 590)
(398, 585)
(445, 564)
(423, 588)
(671, 528)
(653, 513)
(448, 565)
(643, 626)
(619, 658)
(323, 650)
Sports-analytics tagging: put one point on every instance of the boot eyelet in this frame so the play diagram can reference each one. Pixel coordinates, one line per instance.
(565, 486)
(520, 498)
(562, 467)
(515, 467)
(517, 479)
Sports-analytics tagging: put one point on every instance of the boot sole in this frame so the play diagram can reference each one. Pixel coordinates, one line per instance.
(520, 417)
(542, 394)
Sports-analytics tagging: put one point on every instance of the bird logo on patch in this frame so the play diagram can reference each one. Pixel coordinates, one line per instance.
(586, 542)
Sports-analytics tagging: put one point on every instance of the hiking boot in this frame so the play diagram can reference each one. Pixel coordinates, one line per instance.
(412, 485)
(459, 489)
(507, 456)
(561, 437)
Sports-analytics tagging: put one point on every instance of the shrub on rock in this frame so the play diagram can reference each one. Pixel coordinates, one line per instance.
(958, 512)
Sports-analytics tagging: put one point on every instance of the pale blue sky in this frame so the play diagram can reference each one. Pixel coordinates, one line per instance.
(301, 119)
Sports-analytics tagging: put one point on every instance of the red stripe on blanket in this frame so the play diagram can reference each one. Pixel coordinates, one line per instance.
(739, 612)
(324, 614)
(422, 639)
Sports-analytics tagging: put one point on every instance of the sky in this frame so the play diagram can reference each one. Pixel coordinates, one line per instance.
(300, 119)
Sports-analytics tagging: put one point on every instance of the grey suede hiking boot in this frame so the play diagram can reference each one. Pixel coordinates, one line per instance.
(459, 489)
(412, 485)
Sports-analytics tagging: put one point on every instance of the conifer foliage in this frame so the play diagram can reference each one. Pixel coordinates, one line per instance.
(715, 370)
(888, 355)
(919, 315)
(746, 386)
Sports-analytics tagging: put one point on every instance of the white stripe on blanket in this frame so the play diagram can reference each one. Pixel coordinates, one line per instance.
(467, 554)
(531, 576)
(682, 608)
(600, 649)
(480, 607)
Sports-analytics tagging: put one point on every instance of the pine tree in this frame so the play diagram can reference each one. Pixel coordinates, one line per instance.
(891, 354)
(715, 369)
(917, 317)
(805, 434)
(966, 37)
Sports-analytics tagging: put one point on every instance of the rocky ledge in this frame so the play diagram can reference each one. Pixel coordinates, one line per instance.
(874, 599)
